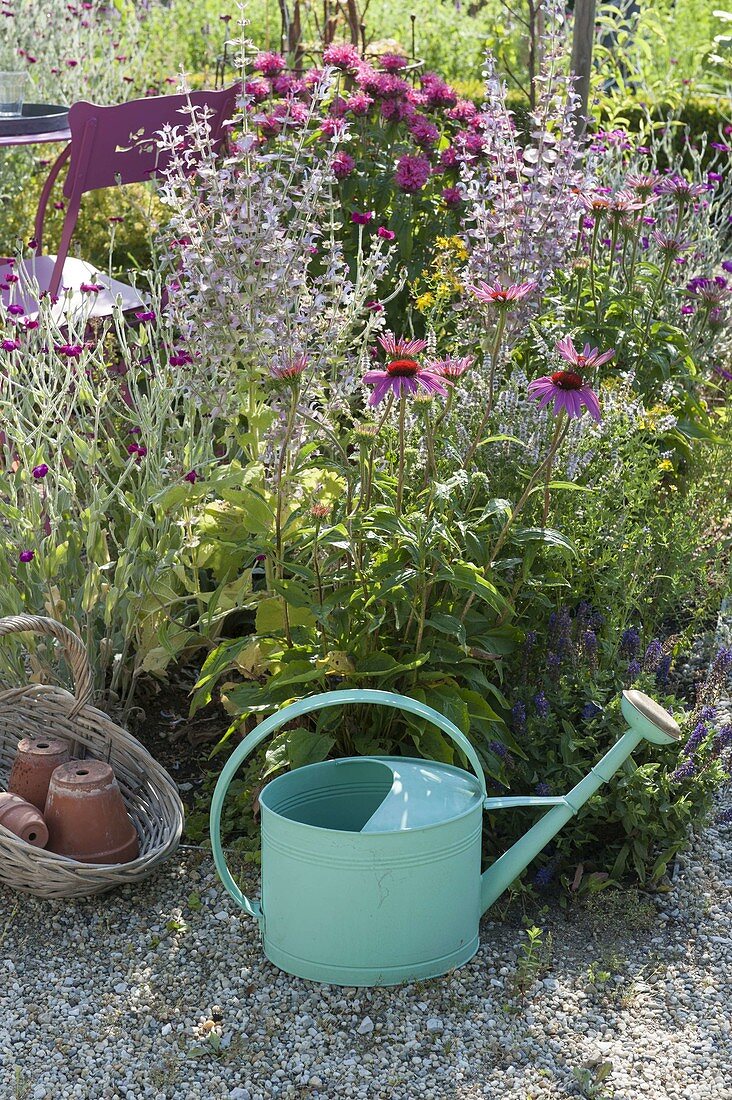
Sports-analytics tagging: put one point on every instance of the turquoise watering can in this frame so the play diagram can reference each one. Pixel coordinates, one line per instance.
(371, 865)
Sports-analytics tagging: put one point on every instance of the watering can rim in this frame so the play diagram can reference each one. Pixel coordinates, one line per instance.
(421, 761)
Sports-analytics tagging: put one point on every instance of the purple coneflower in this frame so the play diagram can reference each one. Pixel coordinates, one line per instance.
(288, 370)
(397, 347)
(670, 244)
(502, 296)
(587, 358)
(450, 367)
(567, 390)
(403, 376)
(680, 189)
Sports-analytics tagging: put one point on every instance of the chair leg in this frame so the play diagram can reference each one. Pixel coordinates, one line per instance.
(61, 159)
(63, 249)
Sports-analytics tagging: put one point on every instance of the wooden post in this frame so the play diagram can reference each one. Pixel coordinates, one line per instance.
(582, 43)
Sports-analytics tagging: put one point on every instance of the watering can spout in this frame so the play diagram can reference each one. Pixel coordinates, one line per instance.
(647, 720)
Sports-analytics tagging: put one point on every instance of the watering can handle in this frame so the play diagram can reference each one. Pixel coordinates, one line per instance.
(305, 706)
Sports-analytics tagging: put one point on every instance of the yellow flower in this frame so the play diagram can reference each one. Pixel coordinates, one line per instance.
(425, 301)
(665, 464)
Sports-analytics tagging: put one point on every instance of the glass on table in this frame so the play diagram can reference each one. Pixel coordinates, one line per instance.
(12, 94)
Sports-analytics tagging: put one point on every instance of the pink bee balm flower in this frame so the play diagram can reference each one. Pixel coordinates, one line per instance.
(26, 556)
(502, 296)
(39, 472)
(392, 62)
(342, 56)
(359, 103)
(412, 173)
(587, 358)
(450, 367)
(402, 376)
(343, 165)
(565, 389)
(271, 64)
(451, 196)
(191, 477)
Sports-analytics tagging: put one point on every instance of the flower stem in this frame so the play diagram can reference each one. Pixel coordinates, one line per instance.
(400, 474)
(560, 430)
(495, 351)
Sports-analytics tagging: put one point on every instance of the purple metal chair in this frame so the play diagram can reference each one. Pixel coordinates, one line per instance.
(109, 146)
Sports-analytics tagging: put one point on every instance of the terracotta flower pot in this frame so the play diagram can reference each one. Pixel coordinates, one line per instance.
(86, 815)
(23, 819)
(35, 761)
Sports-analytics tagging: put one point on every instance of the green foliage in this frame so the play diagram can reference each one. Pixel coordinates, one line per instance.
(681, 122)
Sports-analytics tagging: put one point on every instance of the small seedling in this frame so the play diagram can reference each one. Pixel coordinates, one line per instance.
(591, 1077)
(534, 958)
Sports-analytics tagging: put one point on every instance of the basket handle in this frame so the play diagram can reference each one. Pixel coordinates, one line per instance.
(74, 651)
(305, 706)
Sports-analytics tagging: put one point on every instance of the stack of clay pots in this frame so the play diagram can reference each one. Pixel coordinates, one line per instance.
(71, 807)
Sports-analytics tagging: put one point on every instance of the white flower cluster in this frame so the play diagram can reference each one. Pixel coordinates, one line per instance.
(259, 282)
(524, 202)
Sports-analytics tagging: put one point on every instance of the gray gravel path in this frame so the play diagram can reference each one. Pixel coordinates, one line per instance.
(162, 992)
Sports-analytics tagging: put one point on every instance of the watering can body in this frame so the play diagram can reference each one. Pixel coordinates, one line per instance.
(354, 900)
(371, 865)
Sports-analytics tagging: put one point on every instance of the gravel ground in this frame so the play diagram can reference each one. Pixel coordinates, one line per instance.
(162, 992)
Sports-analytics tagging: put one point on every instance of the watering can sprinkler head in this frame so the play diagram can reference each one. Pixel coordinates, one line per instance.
(648, 718)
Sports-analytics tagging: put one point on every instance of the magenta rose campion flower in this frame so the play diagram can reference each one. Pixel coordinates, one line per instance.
(412, 173)
(362, 218)
(40, 471)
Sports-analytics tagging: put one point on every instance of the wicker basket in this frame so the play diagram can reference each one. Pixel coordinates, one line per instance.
(150, 794)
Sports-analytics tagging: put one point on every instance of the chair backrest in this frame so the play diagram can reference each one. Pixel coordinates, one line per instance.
(119, 144)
